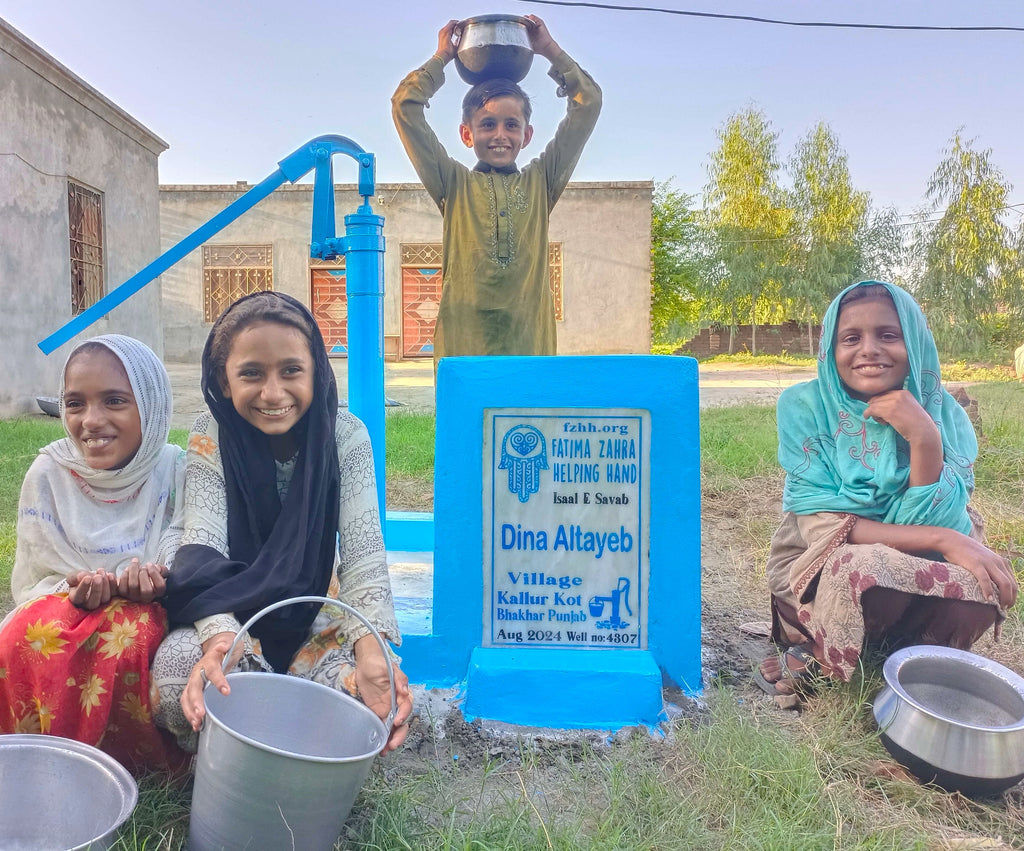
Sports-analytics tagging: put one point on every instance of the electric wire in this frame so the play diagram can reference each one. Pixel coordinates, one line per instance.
(30, 165)
(778, 21)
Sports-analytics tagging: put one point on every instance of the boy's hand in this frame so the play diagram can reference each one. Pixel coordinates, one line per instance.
(446, 42)
(540, 39)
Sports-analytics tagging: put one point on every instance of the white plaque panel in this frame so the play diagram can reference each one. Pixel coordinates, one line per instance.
(566, 527)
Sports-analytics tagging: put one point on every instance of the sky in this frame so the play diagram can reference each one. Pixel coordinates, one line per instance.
(234, 87)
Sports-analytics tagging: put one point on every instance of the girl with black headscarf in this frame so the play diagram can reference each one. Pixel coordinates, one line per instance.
(280, 502)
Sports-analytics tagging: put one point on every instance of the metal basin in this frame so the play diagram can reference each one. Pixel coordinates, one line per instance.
(953, 718)
(60, 795)
(492, 46)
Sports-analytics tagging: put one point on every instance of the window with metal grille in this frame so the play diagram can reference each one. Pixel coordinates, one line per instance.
(85, 224)
(329, 303)
(232, 271)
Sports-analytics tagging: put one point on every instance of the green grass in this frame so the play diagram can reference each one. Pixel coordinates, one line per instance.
(736, 775)
(964, 371)
(748, 359)
(409, 443)
(738, 442)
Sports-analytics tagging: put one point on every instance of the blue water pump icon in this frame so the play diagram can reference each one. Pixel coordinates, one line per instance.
(620, 594)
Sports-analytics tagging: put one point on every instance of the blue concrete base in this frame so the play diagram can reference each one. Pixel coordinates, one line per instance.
(564, 688)
(409, 531)
(430, 661)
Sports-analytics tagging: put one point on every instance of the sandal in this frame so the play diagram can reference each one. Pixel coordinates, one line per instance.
(799, 668)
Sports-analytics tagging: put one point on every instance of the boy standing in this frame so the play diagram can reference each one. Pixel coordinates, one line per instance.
(496, 298)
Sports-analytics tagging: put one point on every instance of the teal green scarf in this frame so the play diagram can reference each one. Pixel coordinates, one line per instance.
(835, 460)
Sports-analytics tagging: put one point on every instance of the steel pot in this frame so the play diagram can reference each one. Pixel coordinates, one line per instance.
(953, 718)
(56, 793)
(492, 46)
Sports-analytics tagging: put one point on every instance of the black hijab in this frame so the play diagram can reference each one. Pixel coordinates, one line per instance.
(277, 551)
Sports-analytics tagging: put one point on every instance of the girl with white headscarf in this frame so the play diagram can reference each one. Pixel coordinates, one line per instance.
(99, 522)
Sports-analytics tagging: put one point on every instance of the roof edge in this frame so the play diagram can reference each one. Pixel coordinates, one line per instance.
(32, 56)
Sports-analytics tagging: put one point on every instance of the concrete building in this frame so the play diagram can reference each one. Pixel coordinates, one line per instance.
(599, 256)
(79, 213)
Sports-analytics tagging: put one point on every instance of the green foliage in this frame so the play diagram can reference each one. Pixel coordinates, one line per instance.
(754, 361)
(750, 216)
(762, 252)
(880, 247)
(961, 370)
(676, 263)
(830, 216)
(968, 262)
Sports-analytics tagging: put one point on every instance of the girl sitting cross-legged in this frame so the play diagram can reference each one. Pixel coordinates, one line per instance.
(878, 543)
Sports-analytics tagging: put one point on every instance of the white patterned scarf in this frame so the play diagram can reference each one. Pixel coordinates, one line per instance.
(72, 517)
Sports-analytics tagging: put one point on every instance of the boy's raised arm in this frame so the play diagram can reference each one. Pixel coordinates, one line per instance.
(411, 98)
(583, 107)
(446, 47)
(540, 39)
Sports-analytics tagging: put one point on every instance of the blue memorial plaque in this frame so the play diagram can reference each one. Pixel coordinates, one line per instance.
(566, 527)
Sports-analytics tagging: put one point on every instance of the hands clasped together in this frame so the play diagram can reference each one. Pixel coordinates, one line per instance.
(139, 583)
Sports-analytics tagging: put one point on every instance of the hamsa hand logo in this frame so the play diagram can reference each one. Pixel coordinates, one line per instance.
(524, 454)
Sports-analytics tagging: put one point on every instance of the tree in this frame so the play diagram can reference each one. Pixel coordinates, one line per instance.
(829, 217)
(750, 217)
(676, 263)
(968, 256)
(881, 248)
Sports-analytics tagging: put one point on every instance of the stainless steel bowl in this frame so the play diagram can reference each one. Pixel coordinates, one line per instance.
(56, 793)
(953, 718)
(492, 46)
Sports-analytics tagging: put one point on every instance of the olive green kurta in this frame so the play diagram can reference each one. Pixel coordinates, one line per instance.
(496, 297)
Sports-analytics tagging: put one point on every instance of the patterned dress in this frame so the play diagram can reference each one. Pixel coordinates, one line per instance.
(842, 465)
(85, 675)
(360, 578)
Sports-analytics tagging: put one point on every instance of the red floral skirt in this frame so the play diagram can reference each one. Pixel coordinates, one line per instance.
(85, 675)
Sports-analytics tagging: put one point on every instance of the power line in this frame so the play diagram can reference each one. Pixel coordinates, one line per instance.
(758, 20)
(30, 165)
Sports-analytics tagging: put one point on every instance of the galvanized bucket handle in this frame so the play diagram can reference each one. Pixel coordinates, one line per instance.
(331, 601)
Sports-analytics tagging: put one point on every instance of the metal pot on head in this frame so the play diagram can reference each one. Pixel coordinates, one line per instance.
(953, 718)
(492, 46)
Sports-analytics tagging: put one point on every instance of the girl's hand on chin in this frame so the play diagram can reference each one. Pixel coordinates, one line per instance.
(904, 413)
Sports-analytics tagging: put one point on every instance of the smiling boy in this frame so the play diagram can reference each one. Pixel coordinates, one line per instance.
(496, 298)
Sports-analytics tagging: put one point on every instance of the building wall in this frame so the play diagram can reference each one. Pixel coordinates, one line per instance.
(604, 229)
(788, 337)
(55, 127)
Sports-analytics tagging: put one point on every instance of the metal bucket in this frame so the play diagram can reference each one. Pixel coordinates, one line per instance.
(57, 794)
(281, 759)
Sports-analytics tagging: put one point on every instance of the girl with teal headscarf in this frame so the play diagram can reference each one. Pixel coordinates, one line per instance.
(877, 542)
